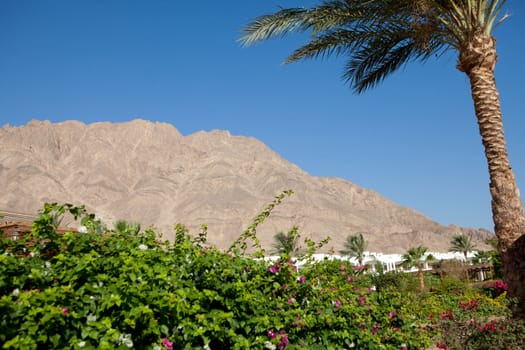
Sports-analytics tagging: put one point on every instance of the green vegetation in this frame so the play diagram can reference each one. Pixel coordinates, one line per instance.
(354, 247)
(128, 289)
(122, 226)
(378, 37)
(417, 257)
(462, 244)
(287, 243)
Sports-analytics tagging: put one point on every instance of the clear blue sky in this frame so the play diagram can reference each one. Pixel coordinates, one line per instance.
(414, 139)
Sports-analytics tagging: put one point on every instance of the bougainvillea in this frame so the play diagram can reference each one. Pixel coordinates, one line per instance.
(123, 290)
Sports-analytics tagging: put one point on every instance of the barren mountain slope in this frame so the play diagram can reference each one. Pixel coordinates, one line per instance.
(149, 172)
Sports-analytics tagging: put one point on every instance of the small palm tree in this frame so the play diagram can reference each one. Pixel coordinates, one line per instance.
(286, 243)
(123, 226)
(354, 247)
(462, 244)
(482, 257)
(417, 257)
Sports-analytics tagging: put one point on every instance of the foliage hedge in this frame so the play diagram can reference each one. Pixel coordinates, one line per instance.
(126, 290)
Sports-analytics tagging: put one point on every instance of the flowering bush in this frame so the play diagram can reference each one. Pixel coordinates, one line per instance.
(495, 289)
(123, 290)
(466, 319)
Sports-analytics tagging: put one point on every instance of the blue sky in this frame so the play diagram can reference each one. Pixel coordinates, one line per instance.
(414, 138)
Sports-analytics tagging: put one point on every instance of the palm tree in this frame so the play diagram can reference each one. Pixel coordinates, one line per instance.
(380, 36)
(462, 244)
(286, 243)
(417, 257)
(354, 247)
(482, 257)
(123, 226)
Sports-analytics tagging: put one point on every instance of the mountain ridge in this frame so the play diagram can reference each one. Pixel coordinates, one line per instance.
(151, 173)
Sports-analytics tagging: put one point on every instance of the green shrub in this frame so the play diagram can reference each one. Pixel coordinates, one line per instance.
(394, 280)
(450, 285)
(124, 290)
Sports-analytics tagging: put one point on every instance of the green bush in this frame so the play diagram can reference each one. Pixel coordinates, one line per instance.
(121, 290)
(394, 280)
(450, 285)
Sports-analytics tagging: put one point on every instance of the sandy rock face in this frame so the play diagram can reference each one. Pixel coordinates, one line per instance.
(150, 173)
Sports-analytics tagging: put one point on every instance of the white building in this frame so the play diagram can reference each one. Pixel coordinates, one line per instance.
(390, 262)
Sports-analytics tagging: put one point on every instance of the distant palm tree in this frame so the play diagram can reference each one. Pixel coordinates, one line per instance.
(354, 247)
(123, 226)
(462, 244)
(378, 37)
(417, 257)
(482, 257)
(286, 243)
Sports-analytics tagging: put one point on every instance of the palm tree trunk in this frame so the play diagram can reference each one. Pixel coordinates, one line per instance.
(421, 277)
(478, 61)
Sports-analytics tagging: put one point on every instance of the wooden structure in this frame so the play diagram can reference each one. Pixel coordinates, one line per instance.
(17, 230)
(16, 225)
(479, 272)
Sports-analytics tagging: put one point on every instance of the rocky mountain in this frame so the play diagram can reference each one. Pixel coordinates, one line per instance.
(150, 173)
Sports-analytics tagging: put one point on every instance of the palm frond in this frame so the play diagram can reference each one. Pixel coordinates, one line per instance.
(414, 256)
(329, 16)
(465, 18)
(462, 244)
(385, 51)
(274, 25)
(286, 243)
(378, 36)
(493, 15)
(354, 246)
(368, 78)
(337, 42)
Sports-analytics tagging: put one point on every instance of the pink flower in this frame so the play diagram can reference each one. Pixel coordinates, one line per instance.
(342, 267)
(500, 285)
(361, 300)
(273, 269)
(290, 301)
(446, 315)
(301, 279)
(284, 340)
(167, 344)
(272, 334)
(65, 310)
(337, 303)
(349, 279)
(392, 314)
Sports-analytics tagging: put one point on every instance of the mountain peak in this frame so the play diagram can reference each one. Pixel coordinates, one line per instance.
(149, 172)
